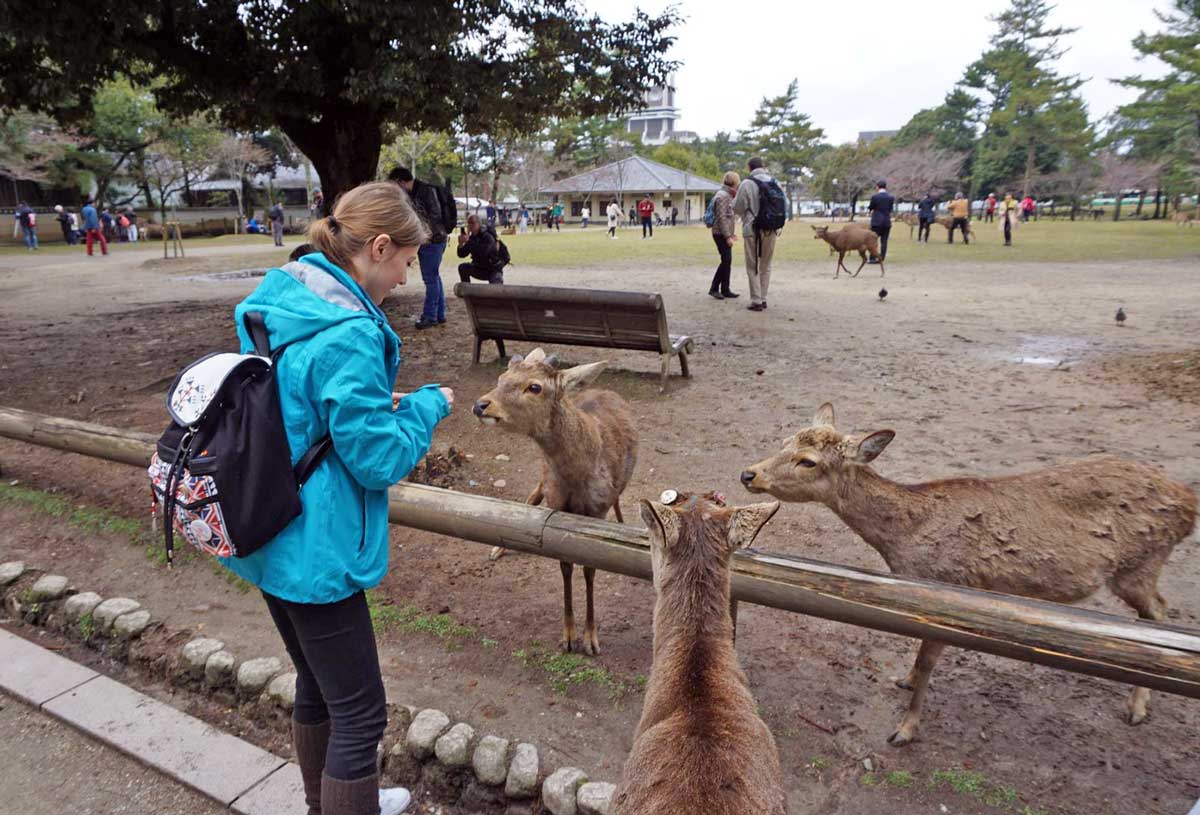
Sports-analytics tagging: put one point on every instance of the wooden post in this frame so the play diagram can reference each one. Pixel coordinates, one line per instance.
(1160, 656)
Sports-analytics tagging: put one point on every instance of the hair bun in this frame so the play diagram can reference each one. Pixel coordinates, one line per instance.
(333, 224)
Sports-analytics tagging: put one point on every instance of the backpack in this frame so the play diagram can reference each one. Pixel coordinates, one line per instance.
(221, 473)
(772, 206)
(503, 258)
(710, 216)
(448, 206)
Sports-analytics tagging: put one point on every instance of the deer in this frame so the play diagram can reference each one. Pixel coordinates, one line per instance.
(589, 450)
(1058, 533)
(850, 239)
(700, 745)
(1184, 218)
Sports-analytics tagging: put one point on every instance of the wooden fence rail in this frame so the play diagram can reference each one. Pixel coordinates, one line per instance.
(1160, 656)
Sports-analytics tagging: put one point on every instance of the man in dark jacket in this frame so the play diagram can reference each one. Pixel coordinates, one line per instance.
(882, 203)
(482, 245)
(429, 208)
(925, 212)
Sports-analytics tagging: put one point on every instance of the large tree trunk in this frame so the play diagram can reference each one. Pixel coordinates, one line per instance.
(1157, 202)
(345, 152)
(1141, 200)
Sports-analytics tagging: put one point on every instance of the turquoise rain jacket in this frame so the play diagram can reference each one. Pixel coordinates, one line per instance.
(335, 377)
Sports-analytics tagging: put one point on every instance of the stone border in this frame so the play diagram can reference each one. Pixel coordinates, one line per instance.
(423, 750)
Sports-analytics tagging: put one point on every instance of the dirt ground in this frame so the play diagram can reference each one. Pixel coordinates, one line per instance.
(980, 368)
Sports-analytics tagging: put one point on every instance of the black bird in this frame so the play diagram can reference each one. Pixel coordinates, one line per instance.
(882, 294)
(1121, 315)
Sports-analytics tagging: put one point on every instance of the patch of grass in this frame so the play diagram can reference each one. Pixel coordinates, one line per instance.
(489, 643)
(817, 763)
(1001, 795)
(86, 626)
(571, 670)
(899, 778)
(964, 782)
(868, 779)
(410, 620)
(968, 782)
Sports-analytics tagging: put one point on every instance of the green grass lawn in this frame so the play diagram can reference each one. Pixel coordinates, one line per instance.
(1058, 241)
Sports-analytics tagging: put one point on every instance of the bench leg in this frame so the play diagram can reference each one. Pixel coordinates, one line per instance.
(666, 372)
(683, 365)
(478, 349)
(500, 349)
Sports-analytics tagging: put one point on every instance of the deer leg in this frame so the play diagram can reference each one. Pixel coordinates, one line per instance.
(1140, 591)
(927, 657)
(591, 642)
(617, 511)
(568, 640)
(534, 499)
(863, 257)
(838, 270)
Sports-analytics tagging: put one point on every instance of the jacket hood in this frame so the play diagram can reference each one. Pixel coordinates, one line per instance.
(762, 173)
(303, 298)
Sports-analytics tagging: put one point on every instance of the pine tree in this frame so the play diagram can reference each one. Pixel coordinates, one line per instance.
(784, 137)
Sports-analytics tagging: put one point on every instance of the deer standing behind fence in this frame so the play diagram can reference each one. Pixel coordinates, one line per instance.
(1058, 533)
(700, 746)
(588, 444)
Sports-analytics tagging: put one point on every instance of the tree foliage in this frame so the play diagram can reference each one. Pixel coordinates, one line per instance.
(784, 137)
(332, 75)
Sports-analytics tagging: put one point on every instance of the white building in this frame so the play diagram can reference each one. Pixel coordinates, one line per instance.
(655, 123)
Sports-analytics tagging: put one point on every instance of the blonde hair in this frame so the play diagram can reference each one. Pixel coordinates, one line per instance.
(360, 214)
(731, 179)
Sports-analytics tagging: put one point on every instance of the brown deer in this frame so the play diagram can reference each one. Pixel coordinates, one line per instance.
(1058, 533)
(1184, 218)
(850, 239)
(911, 219)
(588, 445)
(700, 745)
(948, 222)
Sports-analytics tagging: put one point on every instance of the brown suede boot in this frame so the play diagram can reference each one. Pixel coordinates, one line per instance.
(360, 797)
(311, 741)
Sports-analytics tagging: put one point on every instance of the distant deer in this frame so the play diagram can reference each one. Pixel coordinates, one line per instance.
(850, 239)
(911, 219)
(700, 745)
(588, 445)
(948, 222)
(1184, 218)
(1058, 533)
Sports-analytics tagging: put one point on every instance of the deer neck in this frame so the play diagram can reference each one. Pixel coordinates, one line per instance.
(882, 512)
(692, 627)
(571, 440)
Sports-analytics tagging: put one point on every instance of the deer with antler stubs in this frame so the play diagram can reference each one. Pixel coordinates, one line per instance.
(588, 446)
(1058, 533)
(700, 745)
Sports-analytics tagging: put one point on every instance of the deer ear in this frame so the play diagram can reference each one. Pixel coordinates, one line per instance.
(515, 360)
(552, 360)
(662, 523)
(747, 522)
(581, 376)
(870, 446)
(824, 416)
(536, 355)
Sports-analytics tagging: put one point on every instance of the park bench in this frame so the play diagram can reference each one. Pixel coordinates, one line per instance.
(632, 321)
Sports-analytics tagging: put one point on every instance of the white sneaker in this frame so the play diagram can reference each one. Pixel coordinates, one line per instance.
(394, 800)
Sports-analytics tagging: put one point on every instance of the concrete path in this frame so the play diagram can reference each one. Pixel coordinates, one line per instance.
(233, 773)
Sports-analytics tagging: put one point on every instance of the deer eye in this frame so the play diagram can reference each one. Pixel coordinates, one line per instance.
(534, 388)
(806, 462)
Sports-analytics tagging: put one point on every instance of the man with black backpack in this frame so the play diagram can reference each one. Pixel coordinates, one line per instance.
(762, 206)
(438, 211)
(488, 253)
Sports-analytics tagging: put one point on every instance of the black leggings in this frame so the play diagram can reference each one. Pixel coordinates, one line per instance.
(923, 229)
(720, 281)
(332, 646)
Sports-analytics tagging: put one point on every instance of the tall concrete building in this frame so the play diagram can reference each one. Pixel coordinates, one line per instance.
(656, 121)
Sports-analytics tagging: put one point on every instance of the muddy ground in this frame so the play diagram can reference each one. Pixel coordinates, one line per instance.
(980, 368)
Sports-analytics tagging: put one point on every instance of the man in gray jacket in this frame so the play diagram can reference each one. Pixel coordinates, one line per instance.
(758, 247)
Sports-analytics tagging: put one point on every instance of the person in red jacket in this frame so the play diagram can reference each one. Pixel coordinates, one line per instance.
(645, 209)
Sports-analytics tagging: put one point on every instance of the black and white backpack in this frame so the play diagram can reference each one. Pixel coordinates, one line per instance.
(222, 475)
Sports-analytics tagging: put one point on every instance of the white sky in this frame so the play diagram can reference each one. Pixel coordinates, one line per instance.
(869, 64)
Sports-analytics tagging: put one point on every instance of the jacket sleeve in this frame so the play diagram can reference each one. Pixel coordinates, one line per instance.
(379, 446)
(741, 203)
(465, 249)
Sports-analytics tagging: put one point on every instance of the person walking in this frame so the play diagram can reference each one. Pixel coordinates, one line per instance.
(276, 216)
(614, 216)
(633, 218)
(481, 243)
(133, 227)
(925, 213)
(64, 223)
(1027, 207)
(758, 247)
(27, 220)
(428, 207)
(881, 206)
(491, 213)
(524, 221)
(645, 209)
(585, 215)
(556, 216)
(960, 211)
(990, 207)
(335, 379)
(1008, 217)
(724, 233)
(674, 215)
(318, 204)
(92, 228)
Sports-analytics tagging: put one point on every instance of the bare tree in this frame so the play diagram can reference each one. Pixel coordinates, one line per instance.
(1078, 180)
(1119, 174)
(918, 168)
(233, 157)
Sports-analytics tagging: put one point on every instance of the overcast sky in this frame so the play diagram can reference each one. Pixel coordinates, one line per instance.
(869, 64)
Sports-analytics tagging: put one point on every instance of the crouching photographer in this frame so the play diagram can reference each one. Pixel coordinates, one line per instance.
(488, 253)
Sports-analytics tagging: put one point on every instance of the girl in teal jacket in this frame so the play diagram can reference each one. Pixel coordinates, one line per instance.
(335, 377)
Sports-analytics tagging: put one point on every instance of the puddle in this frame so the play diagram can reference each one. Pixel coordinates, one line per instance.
(214, 277)
(1048, 351)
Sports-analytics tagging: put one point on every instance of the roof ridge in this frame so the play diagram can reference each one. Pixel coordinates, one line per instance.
(646, 162)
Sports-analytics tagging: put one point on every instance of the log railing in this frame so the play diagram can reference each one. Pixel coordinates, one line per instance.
(1160, 656)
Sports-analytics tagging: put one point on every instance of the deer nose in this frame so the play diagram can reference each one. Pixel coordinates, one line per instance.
(748, 477)
(479, 408)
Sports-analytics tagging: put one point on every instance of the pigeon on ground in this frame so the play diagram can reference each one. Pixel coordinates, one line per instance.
(882, 293)
(1121, 315)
